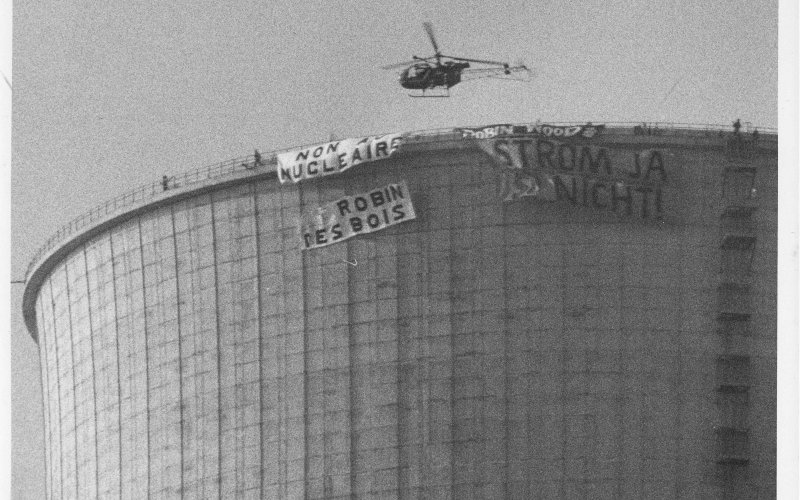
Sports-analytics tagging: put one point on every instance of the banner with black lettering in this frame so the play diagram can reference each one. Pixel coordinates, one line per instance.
(334, 157)
(535, 129)
(357, 214)
(624, 180)
(516, 181)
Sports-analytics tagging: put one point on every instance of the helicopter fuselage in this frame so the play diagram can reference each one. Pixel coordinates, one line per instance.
(423, 76)
(439, 72)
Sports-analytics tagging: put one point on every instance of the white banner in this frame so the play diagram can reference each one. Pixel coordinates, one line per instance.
(357, 214)
(334, 157)
(538, 129)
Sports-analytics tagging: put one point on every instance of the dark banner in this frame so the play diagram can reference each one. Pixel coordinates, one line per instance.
(624, 180)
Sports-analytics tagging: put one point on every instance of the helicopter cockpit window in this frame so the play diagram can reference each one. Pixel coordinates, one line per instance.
(416, 71)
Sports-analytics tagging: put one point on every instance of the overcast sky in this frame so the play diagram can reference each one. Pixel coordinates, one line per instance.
(111, 95)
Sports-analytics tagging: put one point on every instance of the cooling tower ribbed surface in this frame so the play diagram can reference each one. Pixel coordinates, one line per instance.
(618, 342)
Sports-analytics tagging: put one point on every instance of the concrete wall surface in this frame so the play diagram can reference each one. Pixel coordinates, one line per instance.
(616, 342)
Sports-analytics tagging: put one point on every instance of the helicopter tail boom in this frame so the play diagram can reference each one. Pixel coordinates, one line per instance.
(519, 73)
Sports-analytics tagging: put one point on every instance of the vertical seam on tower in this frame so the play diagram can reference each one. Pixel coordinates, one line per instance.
(325, 382)
(116, 336)
(146, 351)
(351, 389)
(283, 444)
(679, 353)
(452, 296)
(397, 395)
(180, 351)
(325, 377)
(305, 352)
(219, 350)
(623, 363)
(74, 383)
(46, 418)
(564, 370)
(421, 358)
(352, 452)
(259, 320)
(58, 394)
(94, 371)
(473, 292)
(506, 384)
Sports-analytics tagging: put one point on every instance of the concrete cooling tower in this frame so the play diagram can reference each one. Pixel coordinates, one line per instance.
(510, 311)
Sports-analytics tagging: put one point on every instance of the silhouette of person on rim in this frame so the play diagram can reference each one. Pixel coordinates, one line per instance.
(256, 161)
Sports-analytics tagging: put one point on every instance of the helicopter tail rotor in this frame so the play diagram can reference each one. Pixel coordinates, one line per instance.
(523, 68)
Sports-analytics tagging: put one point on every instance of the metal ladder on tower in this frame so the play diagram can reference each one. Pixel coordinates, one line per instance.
(737, 245)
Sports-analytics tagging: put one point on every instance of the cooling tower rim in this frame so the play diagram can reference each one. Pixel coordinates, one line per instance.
(59, 247)
(41, 268)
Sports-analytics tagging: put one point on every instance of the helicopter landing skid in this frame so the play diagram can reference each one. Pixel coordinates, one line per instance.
(435, 93)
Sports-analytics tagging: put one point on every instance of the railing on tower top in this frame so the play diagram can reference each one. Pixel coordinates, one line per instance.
(150, 191)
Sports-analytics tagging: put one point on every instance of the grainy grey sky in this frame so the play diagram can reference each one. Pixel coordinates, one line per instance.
(112, 95)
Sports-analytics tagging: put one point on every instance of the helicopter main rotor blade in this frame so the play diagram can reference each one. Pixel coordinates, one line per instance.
(400, 65)
(482, 61)
(408, 63)
(429, 30)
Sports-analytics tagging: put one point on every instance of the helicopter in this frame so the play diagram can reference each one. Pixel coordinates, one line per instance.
(435, 75)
